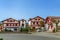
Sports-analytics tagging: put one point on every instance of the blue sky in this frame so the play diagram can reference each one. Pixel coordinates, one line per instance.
(26, 9)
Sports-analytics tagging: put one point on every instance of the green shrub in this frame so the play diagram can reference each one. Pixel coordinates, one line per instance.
(24, 30)
(8, 30)
(1, 38)
(54, 30)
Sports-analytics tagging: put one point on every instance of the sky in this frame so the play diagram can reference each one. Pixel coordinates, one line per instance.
(25, 9)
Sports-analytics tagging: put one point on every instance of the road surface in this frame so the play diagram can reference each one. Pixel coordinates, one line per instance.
(25, 37)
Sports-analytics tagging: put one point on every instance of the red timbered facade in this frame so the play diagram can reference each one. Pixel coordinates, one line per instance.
(34, 23)
(50, 22)
(10, 24)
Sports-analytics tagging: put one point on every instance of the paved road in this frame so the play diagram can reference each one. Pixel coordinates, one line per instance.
(25, 37)
(45, 34)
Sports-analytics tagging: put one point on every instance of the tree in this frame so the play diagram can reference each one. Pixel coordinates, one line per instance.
(1, 24)
(28, 27)
(42, 23)
(56, 22)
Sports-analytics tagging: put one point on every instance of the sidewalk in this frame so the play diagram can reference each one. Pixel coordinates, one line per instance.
(47, 34)
(57, 33)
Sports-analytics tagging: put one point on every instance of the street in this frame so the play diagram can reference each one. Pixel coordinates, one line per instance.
(25, 37)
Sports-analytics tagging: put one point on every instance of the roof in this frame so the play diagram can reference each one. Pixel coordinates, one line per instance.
(39, 17)
(54, 17)
(8, 19)
(22, 20)
(36, 17)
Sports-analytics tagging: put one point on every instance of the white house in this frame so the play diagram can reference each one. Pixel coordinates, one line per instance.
(22, 23)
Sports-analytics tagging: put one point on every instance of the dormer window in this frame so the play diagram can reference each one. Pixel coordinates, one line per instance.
(38, 19)
(15, 24)
(10, 20)
(35, 19)
(22, 21)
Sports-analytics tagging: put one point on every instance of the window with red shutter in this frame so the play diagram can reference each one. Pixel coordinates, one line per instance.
(15, 24)
(33, 22)
(37, 22)
(6, 24)
(35, 19)
(38, 19)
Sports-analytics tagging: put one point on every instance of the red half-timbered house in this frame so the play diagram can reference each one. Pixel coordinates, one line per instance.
(52, 22)
(34, 23)
(10, 24)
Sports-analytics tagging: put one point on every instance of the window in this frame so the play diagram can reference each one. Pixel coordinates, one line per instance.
(10, 20)
(38, 19)
(22, 21)
(35, 19)
(37, 22)
(6, 24)
(22, 24)
(15, 24)
(33, 22)
(15, 29)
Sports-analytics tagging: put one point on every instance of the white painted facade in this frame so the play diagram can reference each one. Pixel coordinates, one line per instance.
(50, 29)
(59, 24)
(21, 22)
(29, 23)
(54, 26)
(24, 24)
(46, 26)
(41, 20)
